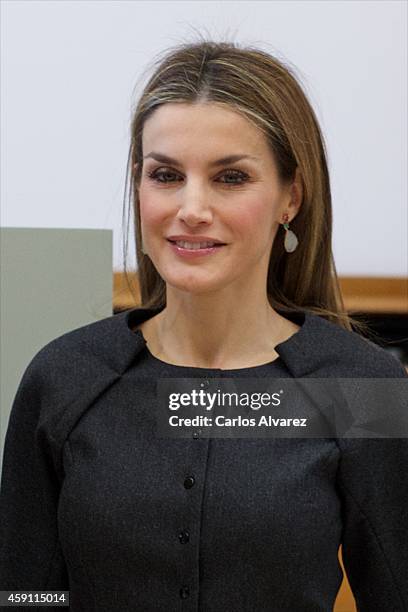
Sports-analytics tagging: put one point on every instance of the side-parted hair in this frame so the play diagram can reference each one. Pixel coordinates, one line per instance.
(266, 92)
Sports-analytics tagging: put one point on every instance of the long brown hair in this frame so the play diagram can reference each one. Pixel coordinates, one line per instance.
(266, 92)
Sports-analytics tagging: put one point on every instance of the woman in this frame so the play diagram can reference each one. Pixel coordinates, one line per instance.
(227, 157)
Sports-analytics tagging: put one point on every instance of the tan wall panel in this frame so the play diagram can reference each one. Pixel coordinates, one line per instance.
(368, 295)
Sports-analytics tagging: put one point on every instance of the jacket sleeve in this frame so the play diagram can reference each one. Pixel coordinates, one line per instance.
(373, 484)
(30, 553)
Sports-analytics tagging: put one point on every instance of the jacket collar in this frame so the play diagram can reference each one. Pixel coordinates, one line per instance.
(305, 352)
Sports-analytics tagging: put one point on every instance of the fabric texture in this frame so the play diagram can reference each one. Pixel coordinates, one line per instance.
(93, 502)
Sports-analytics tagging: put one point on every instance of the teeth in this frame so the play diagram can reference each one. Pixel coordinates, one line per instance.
(194, 245)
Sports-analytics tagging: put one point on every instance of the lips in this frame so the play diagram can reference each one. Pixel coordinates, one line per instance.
(197, 253)
(196, 245)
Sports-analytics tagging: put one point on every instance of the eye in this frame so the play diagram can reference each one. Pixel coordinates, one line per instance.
(236, 174)
(155, 174)
(159, 176)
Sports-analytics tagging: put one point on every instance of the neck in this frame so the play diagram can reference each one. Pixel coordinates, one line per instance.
(201, 331)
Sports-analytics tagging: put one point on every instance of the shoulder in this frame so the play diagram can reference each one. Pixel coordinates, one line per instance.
(68, 373)
(346, 353)
(62, 381)
(101, 349)
(92, 339)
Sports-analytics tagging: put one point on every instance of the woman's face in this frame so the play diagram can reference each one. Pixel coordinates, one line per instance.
(239, 203)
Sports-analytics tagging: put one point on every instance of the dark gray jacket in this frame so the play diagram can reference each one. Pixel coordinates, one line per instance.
(94, 503)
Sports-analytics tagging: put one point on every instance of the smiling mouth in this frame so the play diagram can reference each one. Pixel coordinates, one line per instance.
(195, 246)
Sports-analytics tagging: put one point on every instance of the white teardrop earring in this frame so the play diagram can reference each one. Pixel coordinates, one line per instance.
(291, 240)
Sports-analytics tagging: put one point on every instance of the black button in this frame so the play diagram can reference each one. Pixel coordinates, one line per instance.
(196, 435)
(189, 482)
(184, 536)
(184, 592)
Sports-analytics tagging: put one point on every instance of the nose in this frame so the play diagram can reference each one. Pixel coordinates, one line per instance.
(194, 209)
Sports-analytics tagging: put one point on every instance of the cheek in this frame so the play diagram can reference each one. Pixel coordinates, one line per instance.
(254, 220)
(152, 212)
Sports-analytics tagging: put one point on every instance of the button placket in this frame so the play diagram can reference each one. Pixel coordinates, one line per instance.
(196, 434)
(189, 553)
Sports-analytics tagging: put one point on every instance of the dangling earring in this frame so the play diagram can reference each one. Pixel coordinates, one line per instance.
(291, 240)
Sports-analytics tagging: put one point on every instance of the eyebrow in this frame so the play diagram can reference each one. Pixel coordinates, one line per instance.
(160, 157)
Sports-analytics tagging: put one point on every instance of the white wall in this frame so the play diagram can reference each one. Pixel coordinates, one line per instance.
(68, 70)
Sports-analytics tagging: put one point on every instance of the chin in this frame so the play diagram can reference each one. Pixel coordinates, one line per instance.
(191, 284)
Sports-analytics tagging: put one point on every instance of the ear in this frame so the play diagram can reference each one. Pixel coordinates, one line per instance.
(296, 195)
